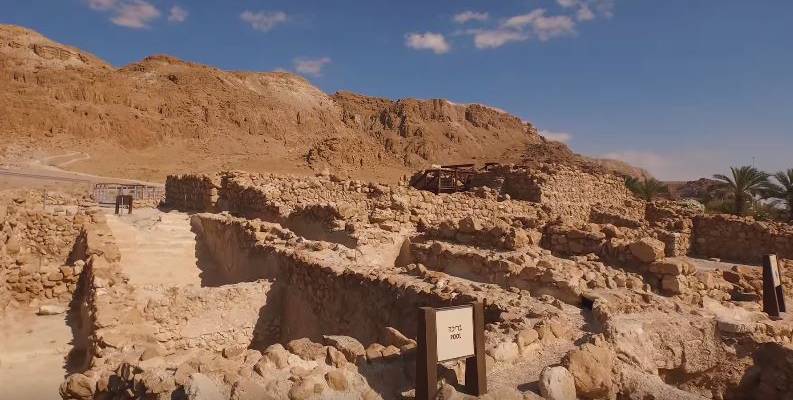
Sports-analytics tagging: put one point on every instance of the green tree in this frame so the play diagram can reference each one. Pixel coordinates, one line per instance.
(782, 189)
(745, 183)
(647, 189)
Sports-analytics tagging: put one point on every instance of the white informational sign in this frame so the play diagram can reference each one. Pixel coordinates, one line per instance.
(455, 328)
(774, 271)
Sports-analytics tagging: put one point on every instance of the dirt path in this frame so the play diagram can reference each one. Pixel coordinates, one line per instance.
(157, 249)
(32, 355)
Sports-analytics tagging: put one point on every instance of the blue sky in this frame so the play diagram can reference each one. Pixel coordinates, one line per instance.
(684, 88)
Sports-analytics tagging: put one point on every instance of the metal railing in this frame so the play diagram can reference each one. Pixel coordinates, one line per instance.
(105, 193)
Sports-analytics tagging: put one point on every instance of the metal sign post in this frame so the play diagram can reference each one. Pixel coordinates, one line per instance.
(447, 334)
(773, 295)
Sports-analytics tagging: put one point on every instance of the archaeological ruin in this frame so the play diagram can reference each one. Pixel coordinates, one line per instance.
(261, 286)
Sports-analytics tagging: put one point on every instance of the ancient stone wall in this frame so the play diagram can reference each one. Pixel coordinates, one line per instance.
(568, 191)
(36, 246)
(191, 192)
(741, 239)
(483, 233)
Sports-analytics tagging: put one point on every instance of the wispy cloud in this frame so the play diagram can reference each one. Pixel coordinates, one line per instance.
(523, 27)
(587, 10)
(264, 20)
(563, 137)
(544, 27)
(135, 14)
(488, 39)
(466, 16)
(311, 66)
(101, 4)
(427, 41)
(177, 14)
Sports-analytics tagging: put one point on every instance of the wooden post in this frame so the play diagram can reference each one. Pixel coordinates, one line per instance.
(773, 295)
(475, 369)
(118, 203)
(426, 355)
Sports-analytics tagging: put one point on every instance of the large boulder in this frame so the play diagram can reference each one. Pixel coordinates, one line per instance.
(556, 383)
(591, 367)
(648, 250)
(352, 349)
(78, 387)
(672, 266)
(201, 387)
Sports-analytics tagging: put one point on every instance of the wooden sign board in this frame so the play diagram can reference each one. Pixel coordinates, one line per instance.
(455, 332)
(447, 334)
(773, 294)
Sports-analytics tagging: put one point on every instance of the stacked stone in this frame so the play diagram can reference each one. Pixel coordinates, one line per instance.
(483, 233)
(28, 282)
(191, 192)
(34, 249)
(741, 238)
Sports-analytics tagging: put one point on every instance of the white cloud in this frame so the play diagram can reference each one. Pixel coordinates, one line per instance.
(427, 41)
(264, 20)
(544, 27)
(177, 14)
(563, 137)
(466, 16)
(135, 14)
(101, 4)
(488, 39)
(522, 27)
(310, 66)
(584, 14)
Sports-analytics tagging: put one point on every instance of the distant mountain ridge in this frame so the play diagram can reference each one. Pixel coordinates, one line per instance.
(164, 115)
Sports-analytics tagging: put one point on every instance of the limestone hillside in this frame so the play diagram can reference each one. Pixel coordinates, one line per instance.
(163, 115)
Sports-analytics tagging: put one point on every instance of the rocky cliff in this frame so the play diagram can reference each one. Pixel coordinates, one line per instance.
(166, 115)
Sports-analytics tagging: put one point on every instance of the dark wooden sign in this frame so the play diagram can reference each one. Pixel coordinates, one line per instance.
(773, 295)
(124, 200)
(447, 334)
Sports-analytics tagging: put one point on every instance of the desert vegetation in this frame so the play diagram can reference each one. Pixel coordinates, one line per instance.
(646, 189)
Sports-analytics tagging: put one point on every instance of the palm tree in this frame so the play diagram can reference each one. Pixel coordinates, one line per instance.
(647, 189)
(782, 189)
(745, 183)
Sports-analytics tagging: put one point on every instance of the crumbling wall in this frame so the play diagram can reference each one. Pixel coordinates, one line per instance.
(741, 239)
(191, 192)
(482, 233)
(36, 246)
(568, 191)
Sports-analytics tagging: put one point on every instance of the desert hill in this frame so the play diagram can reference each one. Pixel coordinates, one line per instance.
(164, 115)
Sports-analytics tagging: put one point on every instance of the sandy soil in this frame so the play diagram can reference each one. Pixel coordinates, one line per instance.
(157, 248)
(33, 350)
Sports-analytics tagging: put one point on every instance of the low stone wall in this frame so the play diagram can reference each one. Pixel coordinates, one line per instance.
(280, 199)
(191, 192)
(36, 252)
(741, 239)
(482, 233)
(568, 191)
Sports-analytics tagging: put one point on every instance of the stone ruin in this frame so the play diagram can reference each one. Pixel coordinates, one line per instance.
(309, 289)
